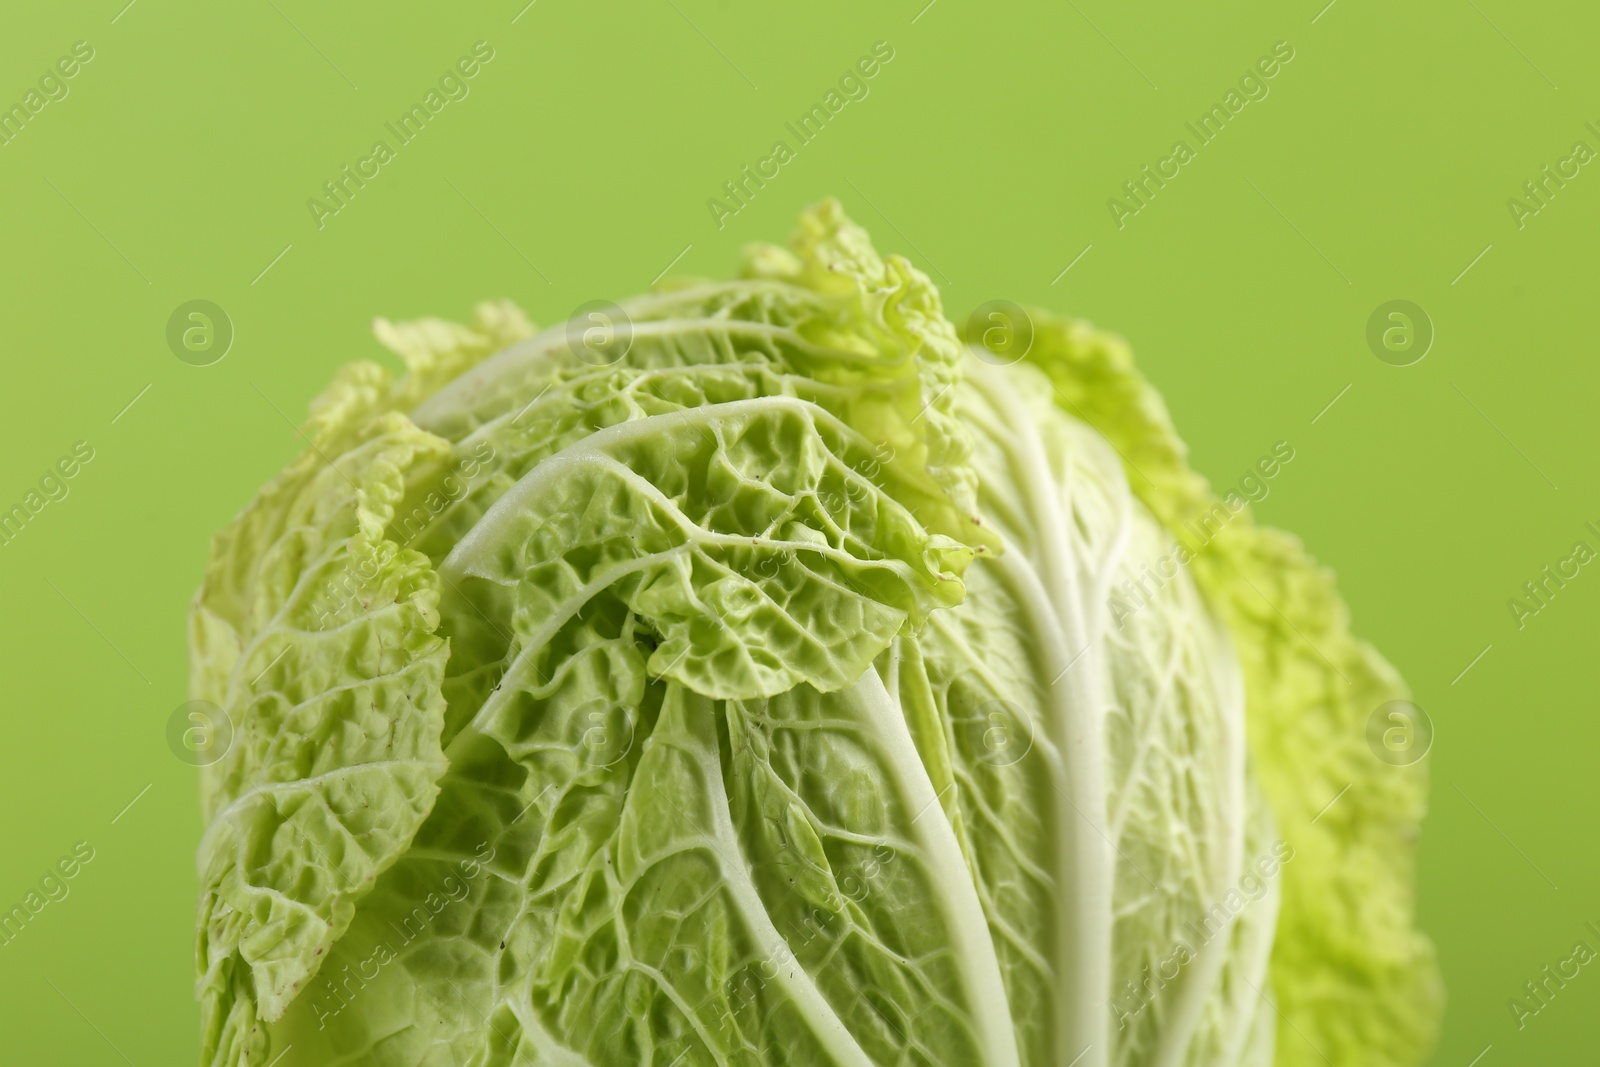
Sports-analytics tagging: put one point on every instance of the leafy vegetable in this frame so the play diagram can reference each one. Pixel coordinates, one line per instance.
(761, 689)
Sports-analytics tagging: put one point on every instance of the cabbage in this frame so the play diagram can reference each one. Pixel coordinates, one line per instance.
(756, 675)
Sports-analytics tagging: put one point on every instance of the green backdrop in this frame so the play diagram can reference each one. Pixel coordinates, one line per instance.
(176, 163)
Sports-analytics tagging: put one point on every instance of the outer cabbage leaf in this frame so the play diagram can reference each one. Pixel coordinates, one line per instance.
(1098, 759)
(315, 635)
(314, 632)
(666, 583)
(1354, 979)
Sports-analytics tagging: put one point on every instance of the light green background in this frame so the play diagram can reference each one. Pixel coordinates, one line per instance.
(1378, 168)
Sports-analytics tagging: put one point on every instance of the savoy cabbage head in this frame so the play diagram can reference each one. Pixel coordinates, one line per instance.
(775, 681)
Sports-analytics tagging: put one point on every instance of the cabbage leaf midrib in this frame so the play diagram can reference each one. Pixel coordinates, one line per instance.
(1084, 868)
